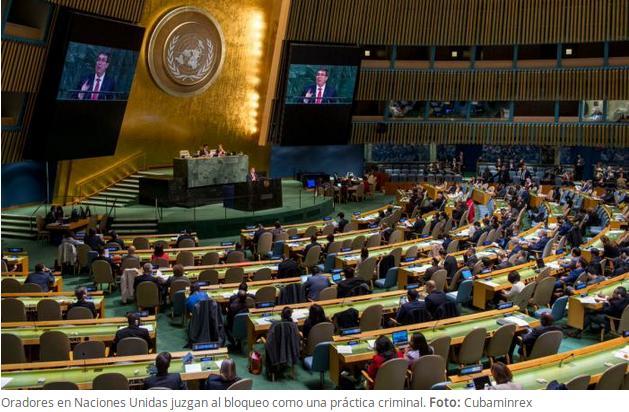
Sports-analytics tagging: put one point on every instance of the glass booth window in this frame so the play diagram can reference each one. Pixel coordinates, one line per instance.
(618, 110)
(593, 111)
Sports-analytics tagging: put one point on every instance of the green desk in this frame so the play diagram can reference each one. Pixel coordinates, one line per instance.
(192, 272)
(168, 238)
(596, 242)
(259, 320)
(298, 245)
(351, 258)
(56, 287)
(222, 293)
(35, 375)
(457, 328)
(145, 254)
(63, 298)
(590, 360)
(577, 305)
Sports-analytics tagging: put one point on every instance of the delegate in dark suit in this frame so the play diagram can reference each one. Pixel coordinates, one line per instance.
(328, 96)
(87, 83)
(405, 312)
(132, 331)
(434, 300)
(171, 381)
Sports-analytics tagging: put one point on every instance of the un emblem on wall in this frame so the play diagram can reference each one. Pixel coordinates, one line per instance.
(186, 51)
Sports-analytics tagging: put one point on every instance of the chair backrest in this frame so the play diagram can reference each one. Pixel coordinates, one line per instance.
(31, 288)
(358, 242)
(292, 231)
(130, 262)
(453, 246)
(10, 285)
(235, 257)
(558, 310)
(89, 350)
(239, 328)
(310, 231)
(548, 248)
(411, 252)
(328, 229)
(12, 349)
(439, 277)
(266, 294)
(54, 346)
(500, 343)
(347, 243)
(110, 381)
(371, 318)
(612, 378)
(176, 285)
(12, 310)
(454, 282)
(330, 261)
(321, 332)
(241, 385)
(427, 371)
(547, 344)
(60, 386)
(312, 257)
(112, 245)
(464, 294)
(141, 243)
(48, 309)
(350, 227)
(544, 292)
(102, 272)
(623, 325)
(390, 279)
(78, 312)
(265, 243)
(263, 274)
(441, 347)
(472, 348)
(331, 292)
(373, 240)
(5, 267)
(482, 238)
(366, 269)
(186, 242)
(578, 383)
(478, 266)
(396, 237)
(334, 247)
(522, 298)
(161, 262)
(437, 229)
(210, 258)
(185, 258)
(132, 346)
(321, 357)
(234, 275)
(391, 375)
(397, 254)
(426, 229)
(210, 276)
(147, 295)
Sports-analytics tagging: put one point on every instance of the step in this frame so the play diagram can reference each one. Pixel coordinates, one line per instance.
(127, 185)
(20, 223)
(122, 190)
(132, 220)
(132, 225)
(136, 232)
(109, 201)
(9, 216)
(18, 235)
(118, 195)
(101, 203)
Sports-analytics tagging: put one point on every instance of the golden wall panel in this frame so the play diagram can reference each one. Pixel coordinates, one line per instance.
(227, 113)
(128, 10)
(458, 22)
(22, 64)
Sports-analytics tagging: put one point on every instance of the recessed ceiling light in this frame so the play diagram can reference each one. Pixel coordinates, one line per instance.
(568, 52)
(455, 53)
(367, 53)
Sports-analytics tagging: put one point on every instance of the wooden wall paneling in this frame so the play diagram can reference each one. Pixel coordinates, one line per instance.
(22, 65)
(127, 10)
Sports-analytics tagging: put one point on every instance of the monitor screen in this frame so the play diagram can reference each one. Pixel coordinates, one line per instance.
(480, 382)
(15, 250)
(310, 184)
(205, 346)
(471, 369)
(336, 277)
(466, 274)
(350, 331)
(260, 305)
(412, 286)
(320, 84)
(400, 337)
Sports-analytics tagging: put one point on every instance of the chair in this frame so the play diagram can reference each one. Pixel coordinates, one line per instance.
(334, 247)
(265, 243)
(371, 318)
(185, 258)
(186, 242)
(440, 279)
(427, 371)
(390, 376)
(321, 332)
(210, 258)
(328, 293)
(373, 240)
(132, 346)
(411, 252)
(292, 231)
(129, 262)
(141, 243)
(358, 242)
(60, 386)
(89, 350)
(389, 281)
(161, 262)
(547, 344)
(578, 383)
(78, 312)
(319, 359)
(543, 293)
(263, 274)
(471, 350)
(397, 255)
(522, 298)
(112, 245)
(310, 231)
(177, 285)
(178, 306)
(312, 257)
(110, 381)
(235, 256)
(500, 343)
(350, 227)
(481, 239)
(441, 347)
(396, 237)
(147, 296)
(239, 327)
(54, 346)
(12, 349)
(558, 310)
(437, 229)
(48, 309)
(12, 310)
(42, 233)
(622, 324)
(31, 288)
(328, 229)
(453, 247)
(612, 378)
(266, 294)
(10, 285)
(463, 295)
(366, 269)
(234, 275)
(241, 385)
(102, 273)
(210, 276)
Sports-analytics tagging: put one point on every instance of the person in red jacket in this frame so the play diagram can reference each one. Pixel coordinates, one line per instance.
(470, 210)
(384, 351)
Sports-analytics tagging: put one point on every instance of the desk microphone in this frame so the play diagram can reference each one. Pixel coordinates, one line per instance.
(565, 358)
(434, 327)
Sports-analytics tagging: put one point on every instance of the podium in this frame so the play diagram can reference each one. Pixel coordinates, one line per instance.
(253, 196)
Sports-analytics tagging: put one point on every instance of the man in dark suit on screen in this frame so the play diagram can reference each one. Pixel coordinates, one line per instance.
(320, 92)
(95, 86)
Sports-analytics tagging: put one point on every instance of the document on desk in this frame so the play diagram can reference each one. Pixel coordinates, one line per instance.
(300, 314)
(192, 368)
(515, 320)
(371, 343)
(344, 349)
(588, 300)
(147, 327)
(623, 353)
(5, 381)
(263, 321)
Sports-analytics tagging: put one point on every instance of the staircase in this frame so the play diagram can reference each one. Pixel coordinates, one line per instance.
(131, 226)
(18, 226)
(124, 193)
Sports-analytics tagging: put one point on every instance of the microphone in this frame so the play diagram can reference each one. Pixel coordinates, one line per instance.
(434, 327)
(565, 358)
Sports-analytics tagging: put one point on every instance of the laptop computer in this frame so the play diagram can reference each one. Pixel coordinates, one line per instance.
(336, 277)
(466, 274)
(480, 382)
(400, 338)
